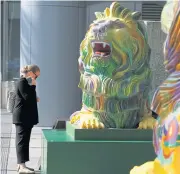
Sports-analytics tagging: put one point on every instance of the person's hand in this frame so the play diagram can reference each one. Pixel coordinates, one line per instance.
(33, 82)
(38, 99)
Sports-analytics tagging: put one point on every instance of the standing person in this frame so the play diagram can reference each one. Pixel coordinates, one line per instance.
(25, 114)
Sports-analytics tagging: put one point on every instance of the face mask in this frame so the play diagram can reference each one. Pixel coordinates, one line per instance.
(29, 79)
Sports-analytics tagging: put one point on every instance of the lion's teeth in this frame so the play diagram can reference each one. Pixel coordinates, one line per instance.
(104, 45)
(93, 44)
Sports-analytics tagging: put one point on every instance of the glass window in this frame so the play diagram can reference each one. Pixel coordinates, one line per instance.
(10, 45)
(14, 49)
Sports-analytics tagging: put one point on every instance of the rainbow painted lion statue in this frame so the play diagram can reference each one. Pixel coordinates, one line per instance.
(166, 101)
(115, 73)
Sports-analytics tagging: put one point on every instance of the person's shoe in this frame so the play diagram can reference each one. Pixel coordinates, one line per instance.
(24, 170)
(30, 168)
(18, 167)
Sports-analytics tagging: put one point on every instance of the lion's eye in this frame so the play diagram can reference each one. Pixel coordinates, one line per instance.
(101, 30)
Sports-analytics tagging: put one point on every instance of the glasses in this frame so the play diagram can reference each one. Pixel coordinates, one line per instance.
(35, 75)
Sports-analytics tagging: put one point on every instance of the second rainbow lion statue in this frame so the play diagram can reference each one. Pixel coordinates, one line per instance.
(166, 101)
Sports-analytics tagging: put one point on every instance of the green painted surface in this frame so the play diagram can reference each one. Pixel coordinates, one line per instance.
(43, 155)
(64, 155)
(57, 136)
(109, 134)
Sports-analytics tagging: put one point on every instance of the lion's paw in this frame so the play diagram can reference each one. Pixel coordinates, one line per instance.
(91, 124)
(146, 168)
(147, 123)
(86, 120)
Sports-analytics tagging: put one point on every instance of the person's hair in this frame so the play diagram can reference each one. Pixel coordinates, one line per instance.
(28, 68)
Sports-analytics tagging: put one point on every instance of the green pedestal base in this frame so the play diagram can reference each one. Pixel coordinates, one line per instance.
(62, 154)
(108, 134)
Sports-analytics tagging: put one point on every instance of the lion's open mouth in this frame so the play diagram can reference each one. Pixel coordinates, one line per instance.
(101, 49)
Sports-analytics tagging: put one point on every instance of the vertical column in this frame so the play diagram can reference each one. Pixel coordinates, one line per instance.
(5, 38)
(50, 39)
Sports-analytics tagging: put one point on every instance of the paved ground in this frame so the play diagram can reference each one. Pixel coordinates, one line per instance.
(8, 153)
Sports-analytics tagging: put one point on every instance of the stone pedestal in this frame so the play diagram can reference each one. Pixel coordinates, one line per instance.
(63, 153)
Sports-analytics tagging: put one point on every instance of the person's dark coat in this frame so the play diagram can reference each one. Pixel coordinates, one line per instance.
(25, 110)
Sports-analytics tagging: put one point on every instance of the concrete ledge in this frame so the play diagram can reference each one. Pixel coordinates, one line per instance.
(108, 134)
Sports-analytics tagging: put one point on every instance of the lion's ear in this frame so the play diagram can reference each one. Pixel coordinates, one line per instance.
(136, 15)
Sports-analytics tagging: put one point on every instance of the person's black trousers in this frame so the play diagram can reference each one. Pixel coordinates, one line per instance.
(23, 134)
